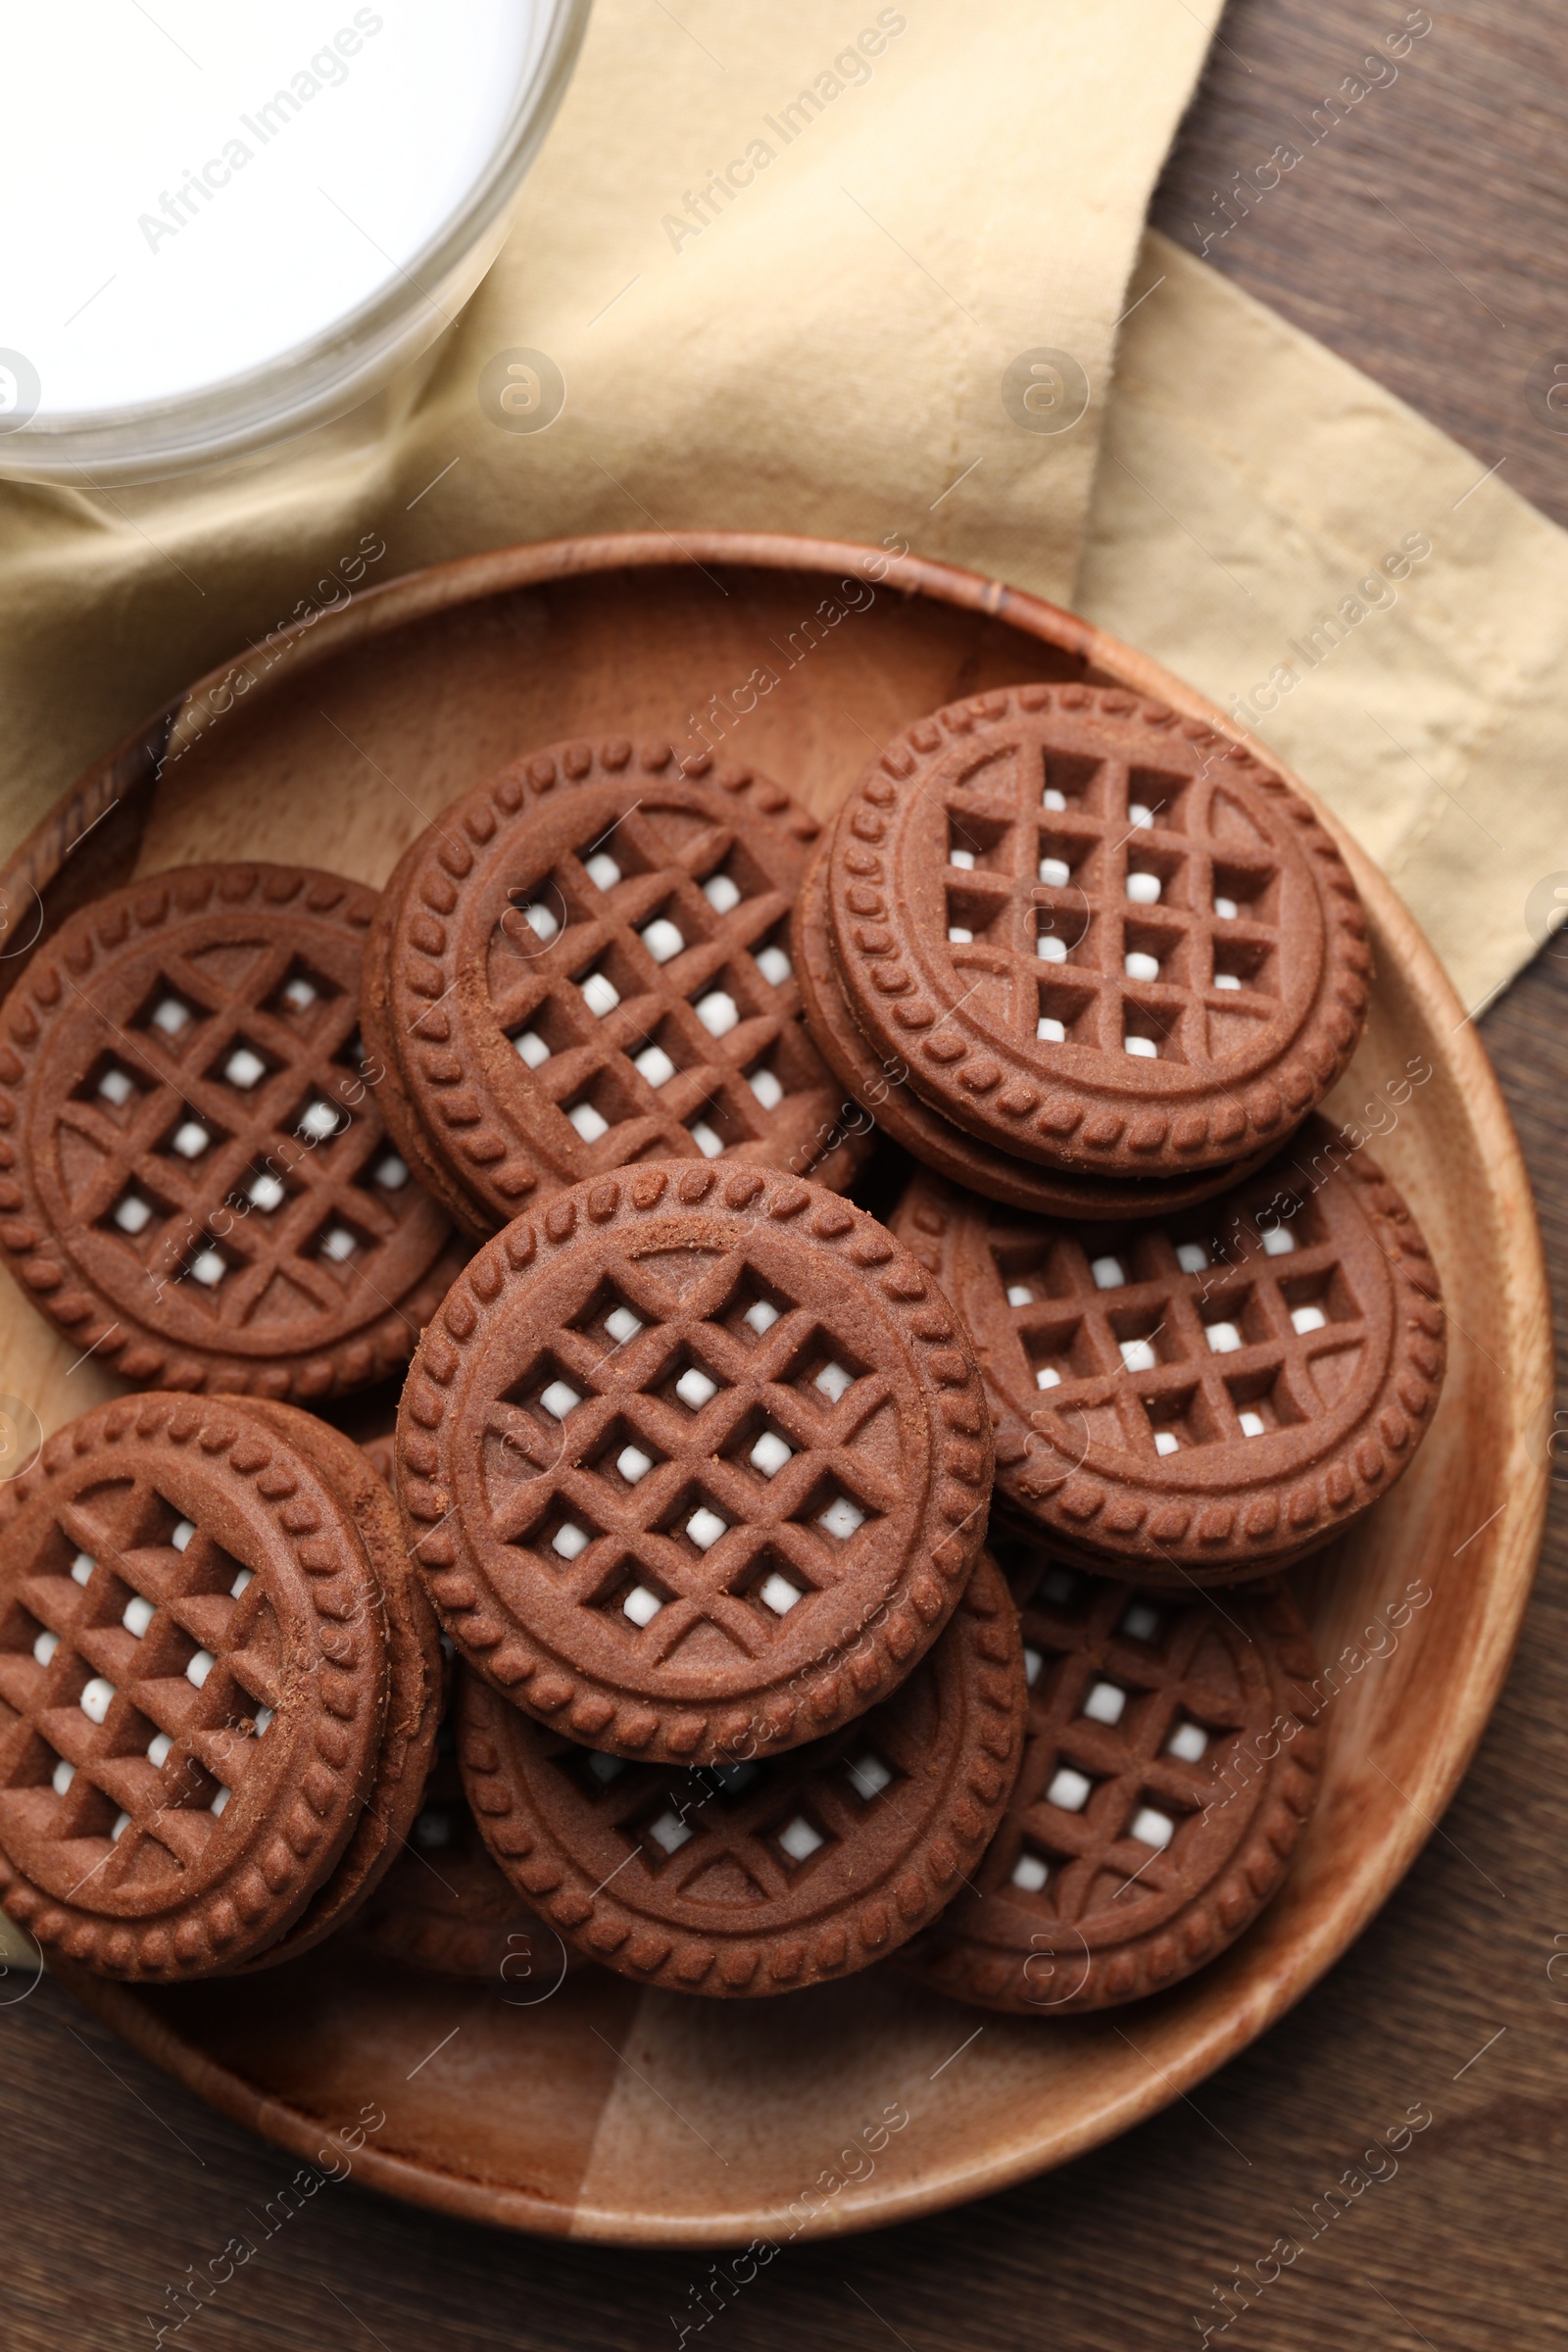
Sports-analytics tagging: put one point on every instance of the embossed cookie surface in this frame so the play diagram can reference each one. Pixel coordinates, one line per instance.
(586, 962)
(415, 1678)
(881, 1088)
(1102, 937)
(195, 1180)
(1172, 1759)
(761, 1876)
(1206, 1397)
(695, 1461)
(193, 1686)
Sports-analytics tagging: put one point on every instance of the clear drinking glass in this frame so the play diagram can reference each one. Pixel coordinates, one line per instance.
(87, 439)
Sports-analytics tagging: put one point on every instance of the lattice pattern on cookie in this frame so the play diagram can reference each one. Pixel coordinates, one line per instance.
(692, 1458)
(710, 1392)
(1131, 910)
(140, 1666)
(227, 1140)
(1069, 994)
(1159, 1337)
(930, 1136)
(750, 1832)
(1131, 1726)
(645, 984)
(749, 1876)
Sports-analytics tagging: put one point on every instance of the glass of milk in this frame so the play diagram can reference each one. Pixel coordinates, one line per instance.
(236, 224)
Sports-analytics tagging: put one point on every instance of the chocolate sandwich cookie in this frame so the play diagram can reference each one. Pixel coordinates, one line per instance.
(1171, 1762)
(193, 1685)
(881, 1090)
(195, 1181)
(586, 962)
(1103, 938)
(445, 1908)
(1199, 1398)
(381, 1454)
(415, 1678)
(759, 1877)
(695, 1461)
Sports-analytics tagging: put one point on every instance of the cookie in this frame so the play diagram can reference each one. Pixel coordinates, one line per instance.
(381, 1454)
(193, 1686)
(761, 1876)
(1172, 1761)
(1206, 1397)
(1103, 937)
(696, 1461)
(586, 962)
(195, 1181)
(445, 1909)
(415, 1685)
(882, 1091)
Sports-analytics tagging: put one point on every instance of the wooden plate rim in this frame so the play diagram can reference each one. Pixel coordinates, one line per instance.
(1227, 2020)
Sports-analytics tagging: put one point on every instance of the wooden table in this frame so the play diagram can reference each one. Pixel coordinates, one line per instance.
(1427, 244)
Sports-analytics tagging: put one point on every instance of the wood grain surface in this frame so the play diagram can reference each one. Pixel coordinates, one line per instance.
(1455, 2002)
(1421, 233)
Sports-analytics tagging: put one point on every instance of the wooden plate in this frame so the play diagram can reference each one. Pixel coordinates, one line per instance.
(601, 2110)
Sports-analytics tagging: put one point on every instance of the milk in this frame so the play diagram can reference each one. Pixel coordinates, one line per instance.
(198, 187)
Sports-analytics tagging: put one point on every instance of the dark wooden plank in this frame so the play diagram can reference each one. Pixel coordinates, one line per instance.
(1422, 233)
(112, 2181)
